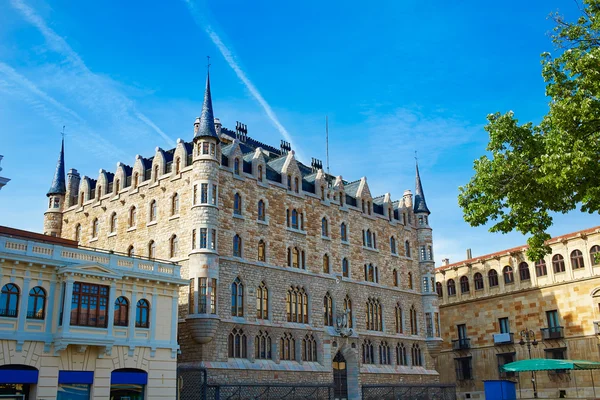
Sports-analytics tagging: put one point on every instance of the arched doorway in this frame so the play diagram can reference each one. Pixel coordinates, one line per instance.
(16, 381)
(128, 384)
(340, 377)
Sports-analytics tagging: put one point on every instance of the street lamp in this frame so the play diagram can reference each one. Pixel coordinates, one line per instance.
(528, 338)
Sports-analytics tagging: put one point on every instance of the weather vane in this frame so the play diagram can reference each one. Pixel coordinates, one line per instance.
(416, 159)
(63, 132)
(208, 63)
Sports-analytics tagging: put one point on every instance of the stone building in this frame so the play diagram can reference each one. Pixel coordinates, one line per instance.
(486, 302)
(80, 324)
(294, 274)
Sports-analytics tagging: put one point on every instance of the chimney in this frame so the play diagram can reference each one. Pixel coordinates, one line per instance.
(445, 262)
(285, 147)
(469, 254)
(316, 165)
(241, 131)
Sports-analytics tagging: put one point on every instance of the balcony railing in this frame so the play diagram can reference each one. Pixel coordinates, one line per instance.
(12, 313)
(35, 315)
(503, 338)
(461, 344)
(553, 332)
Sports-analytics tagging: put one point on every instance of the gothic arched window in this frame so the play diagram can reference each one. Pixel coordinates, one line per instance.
(237, 298)
(236, 344)
(113, 222)
(328, 310)
(374, 317)
(345, 268)
(399, 321)
(262, 249)
(262, 346)
(407, 248)
(237, 204)
(297, 305)
(237, 246)
(414, 326)
(261, 210)
(348, 309)
(343, 232)
(287, 347)
(132, 217)
(262, 301)
(309, 348)
(393, 245)
(175, 204)
(152, 249)
(324, 227)
(326, 264)
(173, 246)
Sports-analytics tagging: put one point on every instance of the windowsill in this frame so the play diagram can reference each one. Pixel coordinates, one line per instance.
(92, 240)
(238, 177)
(262, 183)
(301, 232)
(345, 242)
(145, 328)
(395, 255)
(133, 228)
(299, 195)
(176, 177)
(259, 221)
(134, 190)
(151, 223)
(325, 238)
(172, 217)
(112, 234)
(154, 184)
(238, 216)
(370, 249)
(344, 208)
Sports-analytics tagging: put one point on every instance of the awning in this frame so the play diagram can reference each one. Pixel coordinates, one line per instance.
(128, 377)
(545, 364)
(18, 376)
(76, 377)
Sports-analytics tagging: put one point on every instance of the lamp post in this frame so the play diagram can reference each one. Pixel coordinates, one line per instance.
(528, 339)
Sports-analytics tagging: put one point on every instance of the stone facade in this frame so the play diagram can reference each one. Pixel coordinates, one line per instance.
(558, 301)
(51, 343)
(261, 204)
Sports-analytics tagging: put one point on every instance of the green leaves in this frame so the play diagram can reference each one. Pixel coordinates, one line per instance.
(533, 171)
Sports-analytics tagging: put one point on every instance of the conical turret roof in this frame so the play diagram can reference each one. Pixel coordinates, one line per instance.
(420, 206)
(207, 117)
(58, 182)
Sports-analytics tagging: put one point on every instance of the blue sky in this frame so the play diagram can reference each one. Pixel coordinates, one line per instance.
(393, 77)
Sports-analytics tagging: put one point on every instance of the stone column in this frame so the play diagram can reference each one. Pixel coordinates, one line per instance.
(132, 313)
(66, 321)
(111, 307)
(23, 303)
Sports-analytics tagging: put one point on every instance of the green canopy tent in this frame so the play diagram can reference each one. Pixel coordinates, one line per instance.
(545, 364)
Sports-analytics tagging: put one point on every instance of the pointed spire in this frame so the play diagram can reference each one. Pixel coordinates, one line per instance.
(207, 118)
(58, 183)
(420, 205)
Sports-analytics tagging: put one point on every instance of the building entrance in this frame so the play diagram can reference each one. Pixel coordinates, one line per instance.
(340, 377)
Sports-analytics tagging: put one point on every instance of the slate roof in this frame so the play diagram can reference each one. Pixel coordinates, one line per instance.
(420, 206)
(207, 117)
(59, 185)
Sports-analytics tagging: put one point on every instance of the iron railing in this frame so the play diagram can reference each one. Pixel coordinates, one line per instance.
(553, 332)
(461, 344)
(409, 392)
(35, 315)
(269, 392)
(12, 313)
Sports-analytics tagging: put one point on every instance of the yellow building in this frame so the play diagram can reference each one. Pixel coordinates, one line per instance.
(486, 302)
(81, 324)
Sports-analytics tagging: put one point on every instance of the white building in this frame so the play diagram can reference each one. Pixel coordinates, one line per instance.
(81, 324)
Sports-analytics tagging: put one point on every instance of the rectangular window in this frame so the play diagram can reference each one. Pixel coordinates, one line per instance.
(191, 296)
(436, 321)
(73, 391)
(505, 358)
(428, 324)
(195, 195)
(89, 305)
(203, 238)
(213, 297)
(204, 193)
(552, 317)
(213, 239)
(214, 195)
(557, 353)
(202, 295)
(205, 147)
(462, 331)
(504, 325)
(193, 239)
(463, 368)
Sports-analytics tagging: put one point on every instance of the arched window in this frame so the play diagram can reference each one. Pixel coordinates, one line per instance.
(173, 246)
(132, 217)
(287, 347)
(152, 249)
(368, 357)
(429, 253)
(451, 287)
(576, 259)
(399, 319)
(374, 318)
(121, 311)
(410, 280)
(294, 259)
(374, 240)
(309, 348)
(260, 173)
(493, 278)
(363, 206)
(345, 268)
(95, 228)
(237, 298)
(113, 222)
(326, 264)
(395, 277)
(417, 360)
(177, 165)
(401, 358)
(117, 186)
(407, 248)
(348, 310)
(130, 251)
(322, 192)
(369, 238)
(36, 306)
(153, 209)
(175, 204)
(343, 232)
(262, 301)
(261, 210)
(385, 356)
(327, 310)
(540, 268)
(155, 173)
(237, 246)
(297, 305)
(78, 232)
(324, 227)
(142, 314)
(439, 289)
(136, 178)
(524, 274)
(262, 346)
(82, 197)
(294, 223)
(296, 185)
(237, 204)
(464, 284)
(262, 249)
(414, 326)
(370, 273)
(236, 166)
(236, 344)
(558, 263)
(393, 245)
(478, 279)
(595, 255)
(289, 182)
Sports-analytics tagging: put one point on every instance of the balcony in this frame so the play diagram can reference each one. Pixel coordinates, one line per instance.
(461, 344)
(503, 338)
(553, 332)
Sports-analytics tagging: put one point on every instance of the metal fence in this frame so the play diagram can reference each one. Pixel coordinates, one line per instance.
(406, 392)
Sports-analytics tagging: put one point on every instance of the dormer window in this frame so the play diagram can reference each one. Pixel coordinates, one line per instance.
(260, 173)
(236, 166)
(323, 193)
(212, 149)
(369, 207)
(205, 148)
(296, 185)
(341, 200)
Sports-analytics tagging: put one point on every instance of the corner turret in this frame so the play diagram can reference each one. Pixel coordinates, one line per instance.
(420, 205)
(56, 197)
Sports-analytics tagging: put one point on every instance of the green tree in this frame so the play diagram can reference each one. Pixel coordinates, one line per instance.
(534, 170)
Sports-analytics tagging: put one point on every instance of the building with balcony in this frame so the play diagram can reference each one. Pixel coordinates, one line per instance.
(80, 324)
(486, 301)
